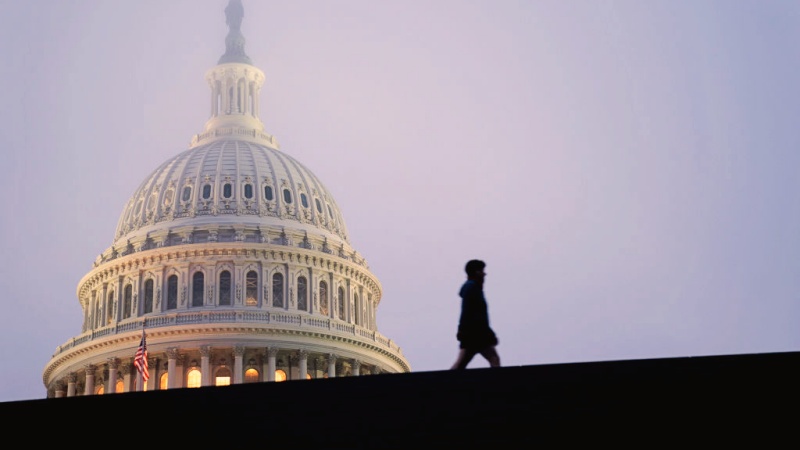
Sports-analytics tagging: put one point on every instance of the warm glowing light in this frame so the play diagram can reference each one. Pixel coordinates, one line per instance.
(120, 387)
(163, 382)
(193, 379)
(100, 390)
(251, 376)
(223, 381)
(280, 375)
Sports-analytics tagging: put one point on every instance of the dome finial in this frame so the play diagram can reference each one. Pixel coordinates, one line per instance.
(234, 42)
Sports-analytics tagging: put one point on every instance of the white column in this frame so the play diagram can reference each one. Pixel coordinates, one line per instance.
(271, 354)
(152, 366)
(356, 367)
(172, 374)
(238, 369)
(113, 366)
(89, 388)
(71, 384)
(205, 369)
(264, 367)
(125, 370)
(303, 364)
(331, 366)
(60, 392)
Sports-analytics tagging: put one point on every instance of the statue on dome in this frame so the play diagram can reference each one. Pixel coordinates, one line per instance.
(234, 13)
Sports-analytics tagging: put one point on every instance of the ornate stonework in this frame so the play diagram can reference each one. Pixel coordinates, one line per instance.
(231, 205)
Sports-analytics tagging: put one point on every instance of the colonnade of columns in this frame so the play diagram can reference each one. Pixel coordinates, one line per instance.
(297, 363)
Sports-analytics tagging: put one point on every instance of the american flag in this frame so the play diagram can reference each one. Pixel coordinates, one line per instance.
(140, 360)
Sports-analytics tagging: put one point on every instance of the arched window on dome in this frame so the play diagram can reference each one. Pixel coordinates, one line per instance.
(225, 288)
(277, 290)
(168, 197)
(110, 308)
(357, 308)
(187, 194)
(251, 376)
(198, 286)
(127, 302)
(194, 378)
(268, 193)
(172, 292)
(227, 190)
(323, 298)
(287, 196)
(251, 291)
(248, 191)
(206, 191)
(304, 200)
(148, 296)
(342, 301)
(302, 293)
(97, 317)
(319, 205)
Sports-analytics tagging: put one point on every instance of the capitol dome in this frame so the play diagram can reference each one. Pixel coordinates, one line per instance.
(231, 261)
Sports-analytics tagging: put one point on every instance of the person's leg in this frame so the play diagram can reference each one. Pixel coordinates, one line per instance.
(490, 353)
(464, 357)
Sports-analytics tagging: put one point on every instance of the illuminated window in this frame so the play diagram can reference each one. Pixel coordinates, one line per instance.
(99, 390)
(148, 296)
(323, 298)
(223, 377)
(163, 382)
(120, 387)
(277, 290)
(302, 294)
(225, 288)
(251, 294)
(198, 282)
(251, 376)
(280, 375)
(172, 292)
(194, 378)
(308, 376)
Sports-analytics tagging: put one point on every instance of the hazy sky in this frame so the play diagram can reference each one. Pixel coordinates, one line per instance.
(627, 169)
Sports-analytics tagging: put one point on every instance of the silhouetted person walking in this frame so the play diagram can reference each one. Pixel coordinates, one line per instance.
(474, 333)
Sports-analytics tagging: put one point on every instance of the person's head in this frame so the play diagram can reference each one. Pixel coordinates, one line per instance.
(474, 269)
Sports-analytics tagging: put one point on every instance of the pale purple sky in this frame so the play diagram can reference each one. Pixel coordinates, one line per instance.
(627, 169)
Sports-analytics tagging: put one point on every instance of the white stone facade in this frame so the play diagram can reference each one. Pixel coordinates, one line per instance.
(235, 260)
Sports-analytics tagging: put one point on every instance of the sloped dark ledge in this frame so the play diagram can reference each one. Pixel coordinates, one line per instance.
(509, 405)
